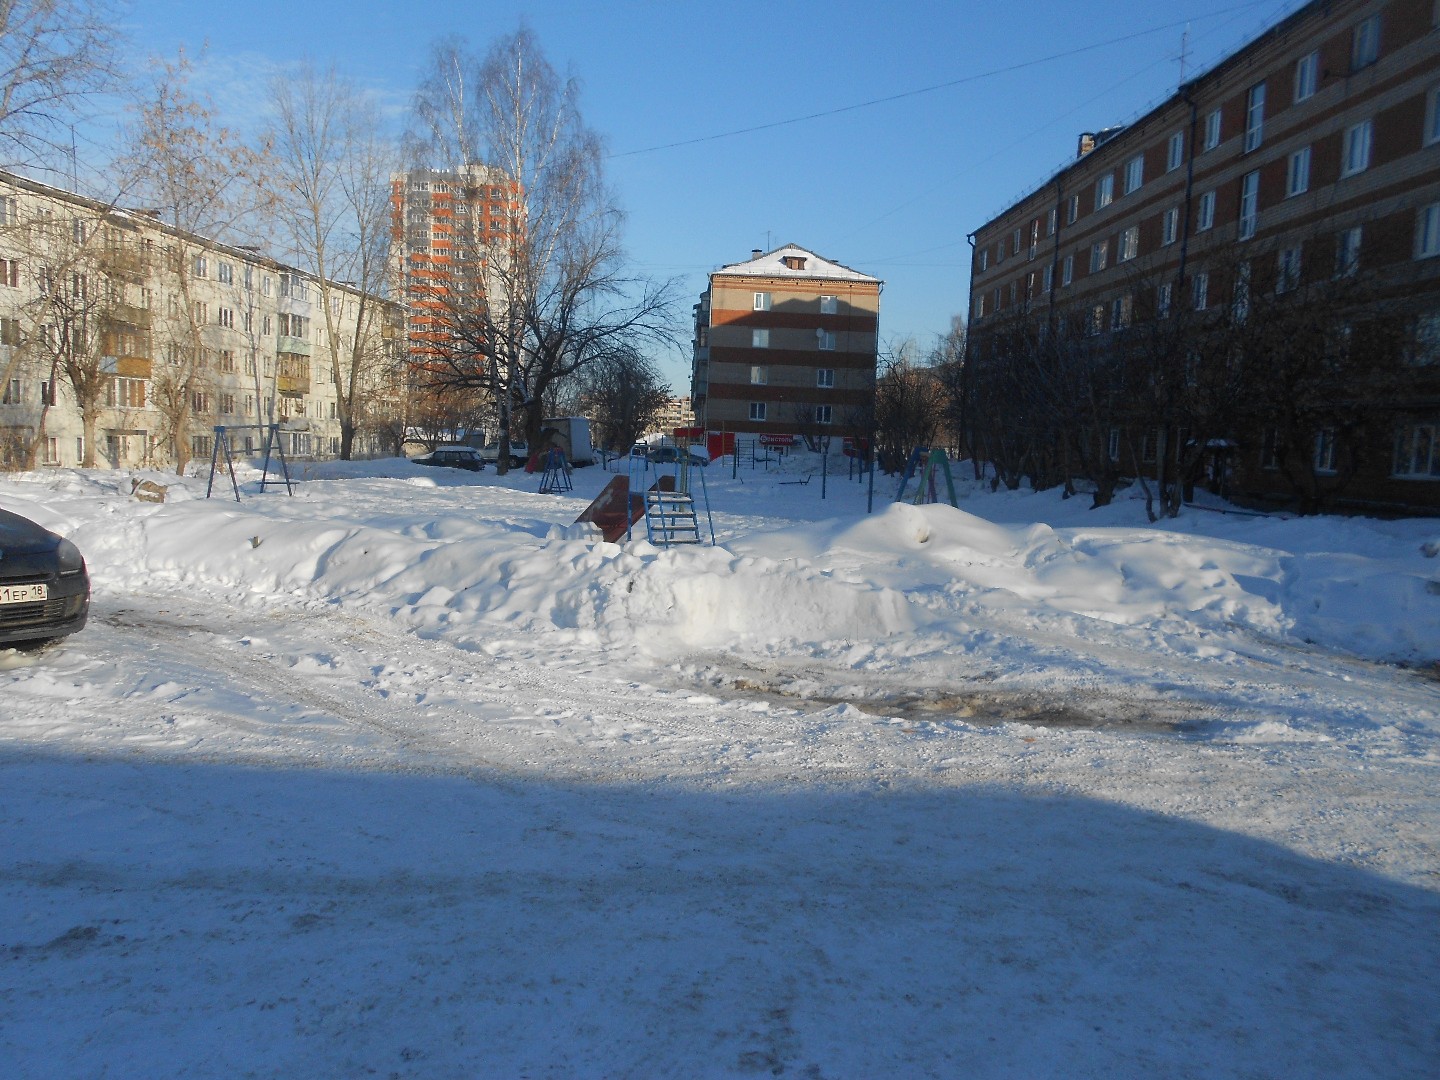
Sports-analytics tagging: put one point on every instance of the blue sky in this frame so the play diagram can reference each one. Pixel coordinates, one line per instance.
(890, 188)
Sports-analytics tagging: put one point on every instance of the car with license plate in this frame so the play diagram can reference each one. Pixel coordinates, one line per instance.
(44, 584)
(453, 457)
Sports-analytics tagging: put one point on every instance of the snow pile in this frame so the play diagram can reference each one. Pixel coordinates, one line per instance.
(408, 775)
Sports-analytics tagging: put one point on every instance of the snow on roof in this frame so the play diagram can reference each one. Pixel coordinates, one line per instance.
(782, 262)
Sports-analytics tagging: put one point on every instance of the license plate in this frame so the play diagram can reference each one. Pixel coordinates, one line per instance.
(24, 594)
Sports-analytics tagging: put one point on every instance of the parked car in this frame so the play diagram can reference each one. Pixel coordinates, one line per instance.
(454, 457)
(44, 586)
(668, 455)
(519, 453)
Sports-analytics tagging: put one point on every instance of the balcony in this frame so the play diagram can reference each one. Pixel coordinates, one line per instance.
(284, 343)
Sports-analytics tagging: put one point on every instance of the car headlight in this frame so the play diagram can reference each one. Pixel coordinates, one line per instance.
(71, 561)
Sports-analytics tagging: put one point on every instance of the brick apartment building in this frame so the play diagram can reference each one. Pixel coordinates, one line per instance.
(785, 343)
(444, 227)
(1311, 154)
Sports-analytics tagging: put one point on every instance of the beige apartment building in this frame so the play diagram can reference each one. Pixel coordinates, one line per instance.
(126, 343)
(786, 344)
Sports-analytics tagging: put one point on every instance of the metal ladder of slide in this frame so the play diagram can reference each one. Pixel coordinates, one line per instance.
(670, 518)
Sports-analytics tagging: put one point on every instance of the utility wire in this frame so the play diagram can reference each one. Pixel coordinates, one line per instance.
(929, 89)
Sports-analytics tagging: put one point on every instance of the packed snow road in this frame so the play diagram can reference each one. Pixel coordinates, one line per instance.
(400, 780)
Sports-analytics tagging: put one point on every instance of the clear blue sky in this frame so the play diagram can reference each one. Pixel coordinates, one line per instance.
(890, 189)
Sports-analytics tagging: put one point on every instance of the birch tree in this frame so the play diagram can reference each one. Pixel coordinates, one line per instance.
(334, 167)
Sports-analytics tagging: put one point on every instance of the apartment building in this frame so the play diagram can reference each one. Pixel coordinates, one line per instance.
(677, 413)
(1311, 154)
(446, 226)
(785, 343)
(126, 343)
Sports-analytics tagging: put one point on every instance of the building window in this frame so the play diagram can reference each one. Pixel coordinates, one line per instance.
(1112, 444)
(1357, 148)
(226, 317)
(1099, 253)
(1325, 451)
(1287, 274)
(226, 273)
(200, 312)
(1134, 173)
(826, 338)
(822, 414)
(980, 306)
(1162, 300)
(1365, 43)
(1205, 215)
(1425, 349)
(124, 393)
(1270, 448)
(9, 210)
(11, 394)
(762, 301)
(1427, 232)
(984, 259)
(1417, 452)
(1297, 176)
(759, 375)
(1121, 310)
(1097, 320)
(1034, 236)
(829, 305)
(1050, 220)
(1048, 277)
(760, 338)
(1175, 151)
(1347, 252)
(1104, 190)
(1307, 76)
(1015, 243)
(1254, 117)
(1129, 244)
(1150, 446)
(201, 267)
(1240, 303)
(825, 378)
(1169, 225)
(1200, 291)
(1072, 210)
(1432, 114)
(1067, 270)
(1249, 204)
(757, 410)
(1212, 129)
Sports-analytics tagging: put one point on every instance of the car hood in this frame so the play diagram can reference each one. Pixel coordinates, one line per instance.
(21, 536)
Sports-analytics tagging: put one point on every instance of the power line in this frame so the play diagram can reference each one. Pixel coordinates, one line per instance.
(927, 89)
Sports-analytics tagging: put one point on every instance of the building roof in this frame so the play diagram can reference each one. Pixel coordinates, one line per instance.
(772, 264)
(1221, 69)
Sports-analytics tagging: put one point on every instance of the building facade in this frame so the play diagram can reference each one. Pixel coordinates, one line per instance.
(1308, 161)
(445, 227)
(126, 343)
(786, 344)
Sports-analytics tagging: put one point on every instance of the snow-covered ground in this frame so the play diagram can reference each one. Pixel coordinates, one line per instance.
(407, 776)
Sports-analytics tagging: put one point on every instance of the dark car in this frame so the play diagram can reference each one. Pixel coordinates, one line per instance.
(668, 455)
(44, 587)
(454, 457)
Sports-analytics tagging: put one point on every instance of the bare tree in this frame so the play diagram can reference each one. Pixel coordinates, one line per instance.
(200, 178)
(334, 168)
(908, 406)
(622, 393)
(54, 54)
(551, 295)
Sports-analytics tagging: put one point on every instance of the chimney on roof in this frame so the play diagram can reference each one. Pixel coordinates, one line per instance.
(755, 253)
